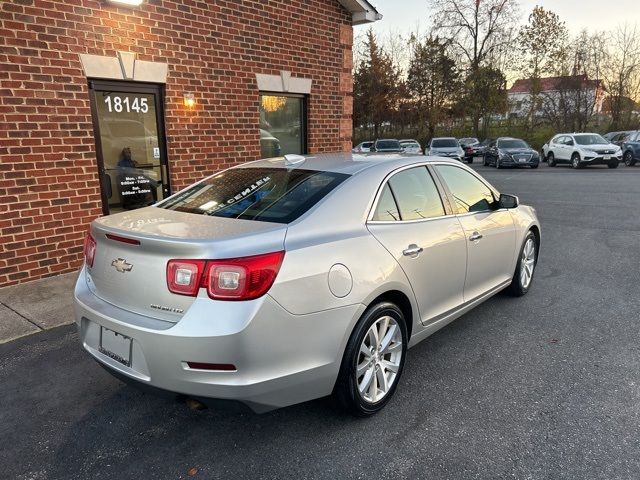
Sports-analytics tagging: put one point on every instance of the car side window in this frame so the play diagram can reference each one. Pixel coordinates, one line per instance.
(470, 194)
(416, 194)
(386, 210)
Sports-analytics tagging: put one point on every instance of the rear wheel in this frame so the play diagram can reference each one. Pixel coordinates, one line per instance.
(551, 159)
(575, 160)
(628, 159)
(373, 360)
(527, 260)
(470, 160)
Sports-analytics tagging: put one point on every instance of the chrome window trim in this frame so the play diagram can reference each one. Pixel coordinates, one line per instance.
(384, 182)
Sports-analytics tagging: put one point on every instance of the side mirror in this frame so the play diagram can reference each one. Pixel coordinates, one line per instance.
(508, 201)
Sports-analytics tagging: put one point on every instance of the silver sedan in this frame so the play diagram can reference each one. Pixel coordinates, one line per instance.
(288, 279)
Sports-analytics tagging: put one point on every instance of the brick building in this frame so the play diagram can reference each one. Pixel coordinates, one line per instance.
(105, 107)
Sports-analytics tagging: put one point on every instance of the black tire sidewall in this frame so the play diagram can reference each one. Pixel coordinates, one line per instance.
(346, 388)
(516, 287)
(551, 159)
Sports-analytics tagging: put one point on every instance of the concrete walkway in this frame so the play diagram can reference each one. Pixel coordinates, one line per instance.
(36, 306)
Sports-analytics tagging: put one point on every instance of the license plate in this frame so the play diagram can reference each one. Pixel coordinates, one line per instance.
(607, 157)
(522, 160)
(116, 346)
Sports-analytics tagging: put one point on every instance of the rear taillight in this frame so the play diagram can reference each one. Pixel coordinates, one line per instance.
(244, 278)
(89, 250)
(184, 276)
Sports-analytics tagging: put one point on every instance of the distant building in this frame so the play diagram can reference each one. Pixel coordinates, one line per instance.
(568, 92)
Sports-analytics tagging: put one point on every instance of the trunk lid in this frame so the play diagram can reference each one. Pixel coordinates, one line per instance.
(133, 277)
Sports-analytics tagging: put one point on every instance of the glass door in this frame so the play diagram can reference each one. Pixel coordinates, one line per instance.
(128, 121)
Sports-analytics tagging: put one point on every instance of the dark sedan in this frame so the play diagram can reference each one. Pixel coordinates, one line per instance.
(511, 152)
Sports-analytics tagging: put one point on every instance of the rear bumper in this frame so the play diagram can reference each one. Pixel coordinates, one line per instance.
(281, 358)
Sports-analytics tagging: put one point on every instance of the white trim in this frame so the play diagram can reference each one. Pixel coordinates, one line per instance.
(123, 67)
(361, 11)
(283, 83)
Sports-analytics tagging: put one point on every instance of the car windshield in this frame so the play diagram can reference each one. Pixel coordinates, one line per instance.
(264, 194)
(388, 145)
(444, 143)
(592, 139)
(512, 144)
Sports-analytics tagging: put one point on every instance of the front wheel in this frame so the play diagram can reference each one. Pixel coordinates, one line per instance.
(485, 162)
(551, 159)
(628, 159)
(527, 260)
(575, 160)
(613, 164)
(373, 360)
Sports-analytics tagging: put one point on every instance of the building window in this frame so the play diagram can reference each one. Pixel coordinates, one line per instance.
(282, 125)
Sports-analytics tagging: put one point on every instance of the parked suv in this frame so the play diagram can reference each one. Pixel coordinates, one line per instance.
(582, 149)
(387, 146)
(631, 149)
(445, 147)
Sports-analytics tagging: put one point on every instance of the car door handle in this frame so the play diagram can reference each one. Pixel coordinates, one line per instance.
(412, 250)
(475, 236)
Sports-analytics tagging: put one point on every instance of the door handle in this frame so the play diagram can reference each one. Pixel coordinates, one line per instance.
(475, 236)
(412, 250)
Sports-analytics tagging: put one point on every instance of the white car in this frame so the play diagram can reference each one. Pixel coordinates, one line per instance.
(581, 149)
(363, 147)
(411, 146)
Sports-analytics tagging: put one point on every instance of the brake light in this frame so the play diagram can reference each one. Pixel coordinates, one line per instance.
(244, 278)
(184, 276)
(89, 250)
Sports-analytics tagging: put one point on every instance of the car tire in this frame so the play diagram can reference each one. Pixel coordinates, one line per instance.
(628, 159)
(613, 164)
(535, 165)
(575, 161)
(520, 283)
(498, 163)
(470, 160)
(551, 159)
(484, 161)
(347, 389)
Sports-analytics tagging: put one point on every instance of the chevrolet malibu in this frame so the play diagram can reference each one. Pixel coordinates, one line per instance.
(288, 279)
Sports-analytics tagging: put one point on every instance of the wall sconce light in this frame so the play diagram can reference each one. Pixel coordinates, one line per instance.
(189, 100)
(126, 3)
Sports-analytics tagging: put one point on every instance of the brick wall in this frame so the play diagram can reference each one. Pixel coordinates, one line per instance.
(49, 189)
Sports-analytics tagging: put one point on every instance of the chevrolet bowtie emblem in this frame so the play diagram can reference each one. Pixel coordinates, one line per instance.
(121, 265)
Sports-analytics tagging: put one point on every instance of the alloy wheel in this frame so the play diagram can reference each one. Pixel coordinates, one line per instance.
(527, 262)
(628, 159)
(575, 160)
(379, 359)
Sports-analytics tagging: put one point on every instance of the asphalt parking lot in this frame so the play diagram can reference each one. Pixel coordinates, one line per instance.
(542, 387)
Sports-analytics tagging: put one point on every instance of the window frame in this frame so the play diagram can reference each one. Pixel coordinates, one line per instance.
(495, 193)
(304, 114)
(444, 197)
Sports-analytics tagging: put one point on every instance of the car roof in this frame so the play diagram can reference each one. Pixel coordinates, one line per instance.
(408, 140)
(386, 140)
(444, 138)
(347, 163)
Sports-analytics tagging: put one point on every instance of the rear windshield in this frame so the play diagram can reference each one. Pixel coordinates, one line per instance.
(444, 143)
(590, 140)
(512, 144)
(264, 194)
(388, 145)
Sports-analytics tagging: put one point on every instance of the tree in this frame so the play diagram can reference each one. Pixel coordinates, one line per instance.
(432, 80)
(622, 74)
(486, 95)
(375, 86)
(478, 29)
(542, 44)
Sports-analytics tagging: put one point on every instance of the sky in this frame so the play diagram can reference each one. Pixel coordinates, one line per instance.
(594, 15)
